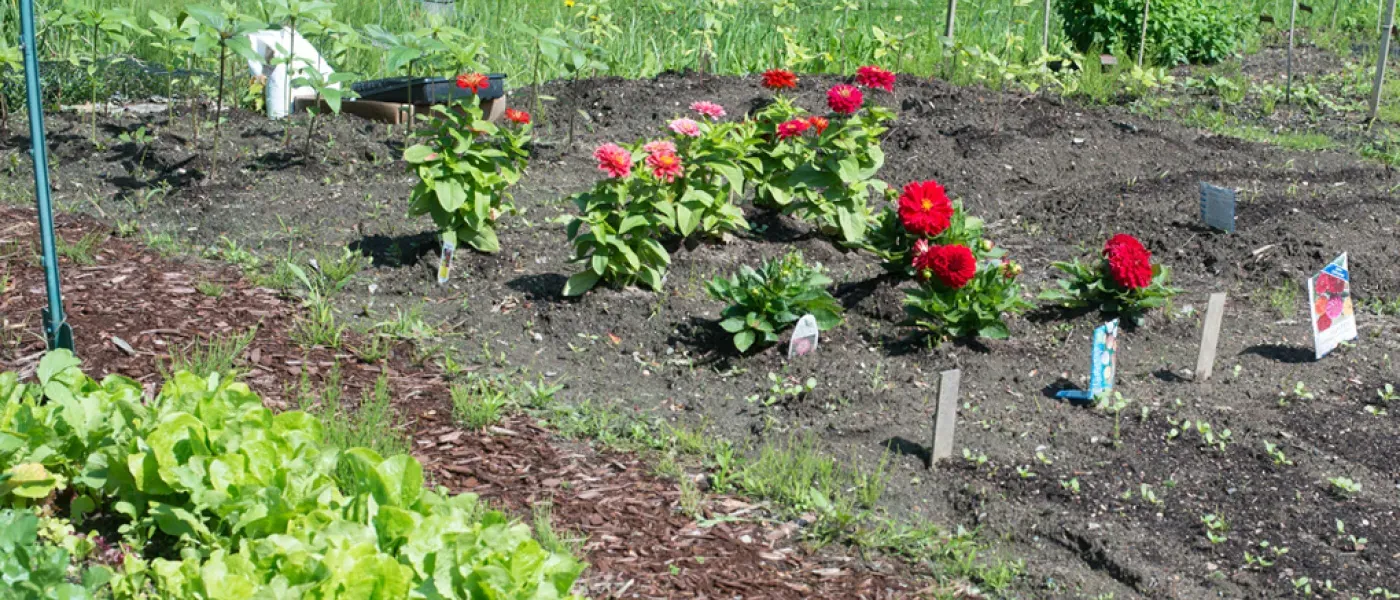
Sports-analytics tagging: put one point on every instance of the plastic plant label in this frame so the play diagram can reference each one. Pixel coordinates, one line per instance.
(1104, 366)
(1218, 207)
(445, 265)
(804, 337)
(1330, 303)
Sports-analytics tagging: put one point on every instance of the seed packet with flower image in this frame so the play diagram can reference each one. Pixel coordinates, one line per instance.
(1330, 305)
(1104, 367)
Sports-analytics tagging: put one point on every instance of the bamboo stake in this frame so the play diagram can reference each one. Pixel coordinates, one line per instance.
(1142, 41)
(1046, 36)
(1292, 23)
(1386, 28)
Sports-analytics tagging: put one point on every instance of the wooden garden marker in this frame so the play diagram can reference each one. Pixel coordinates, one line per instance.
(1380, 63)
(1292, 23)
(1142, 41)
(952, 18)
(947, 416)
(1046, 36)
(1215, 313)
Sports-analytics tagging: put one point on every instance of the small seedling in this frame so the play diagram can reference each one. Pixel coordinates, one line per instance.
(1300, 392)
(784, 390)
(1149, 495)
(1277, 454)
(1025, 472)
(978, 459)
(1344, 487)
(1356, 544)
(1115, 407)
(1260, 561)
(1216, 528)
(1072, 486)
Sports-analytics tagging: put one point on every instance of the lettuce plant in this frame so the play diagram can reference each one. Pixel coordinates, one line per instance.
(221, 498)
(765, 302)
(465, 167)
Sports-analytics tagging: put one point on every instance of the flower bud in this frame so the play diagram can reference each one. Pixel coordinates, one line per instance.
(987, 245)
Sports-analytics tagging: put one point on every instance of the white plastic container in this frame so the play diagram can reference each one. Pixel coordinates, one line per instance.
(276, 91)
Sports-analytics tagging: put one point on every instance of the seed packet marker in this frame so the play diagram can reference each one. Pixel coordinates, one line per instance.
(804, 337)
(947, 416)
(1330, 304)
(1104, 365)
(1210, 339)
(445, 265)
(1218, 207)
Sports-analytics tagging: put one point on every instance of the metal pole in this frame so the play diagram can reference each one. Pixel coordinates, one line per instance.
(1387, 26)
(952, 18)
(56, 328)
(1292, 23)
(1046, 37)
(1142, 42)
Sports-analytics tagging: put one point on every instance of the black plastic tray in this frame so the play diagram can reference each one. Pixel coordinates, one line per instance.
(426, 90)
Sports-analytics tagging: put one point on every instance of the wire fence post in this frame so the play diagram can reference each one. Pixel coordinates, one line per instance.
(952, 18)
(1292, 23)
(1387, 25)
(1142, 41)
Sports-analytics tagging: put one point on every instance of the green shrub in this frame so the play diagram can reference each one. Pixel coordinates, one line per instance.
(225, 499)
(1178, 31)
(765, 302)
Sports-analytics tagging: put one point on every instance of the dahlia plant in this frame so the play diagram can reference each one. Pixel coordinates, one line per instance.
(767, 301)
(922, 211)
(1125, 280)
(464, 168)
(821, 168)
(965, 289)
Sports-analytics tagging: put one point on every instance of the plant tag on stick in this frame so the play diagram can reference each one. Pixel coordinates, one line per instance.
(1331, 306)
(445, 265)
(804, 337)
(1218, 207)
(1104, 366)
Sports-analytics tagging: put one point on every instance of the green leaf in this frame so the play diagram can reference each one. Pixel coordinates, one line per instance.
(744, 340)
(995, 331)
(580, 283)
(732, 324)
(30, 480)
(418, 154)
(54, 363)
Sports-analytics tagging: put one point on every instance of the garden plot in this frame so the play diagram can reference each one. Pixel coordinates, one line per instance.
(1176, 500)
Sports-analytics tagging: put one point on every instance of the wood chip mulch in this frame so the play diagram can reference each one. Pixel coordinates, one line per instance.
(132, 306)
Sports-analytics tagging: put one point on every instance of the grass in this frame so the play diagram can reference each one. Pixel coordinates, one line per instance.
(542, 514)
(209, 288)
(82, 252)
(372, 424)
(478, 403)
(215, 354)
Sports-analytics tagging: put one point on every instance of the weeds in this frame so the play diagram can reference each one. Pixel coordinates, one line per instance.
(372, 424)
(477, 404)
(82, 252)
(216, 354)
(549, 538)
(209, 288)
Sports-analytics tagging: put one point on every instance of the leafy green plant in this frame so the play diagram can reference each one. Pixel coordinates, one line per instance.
(1344, 487)
(32, 567)
(102, 26)
(975, 309)
(1125, 281)
(477, 404)
(765, 302)
(622, 243)
(330, 90)
(464, 170)
(1178, 31)
(233, 494)
(293, 12)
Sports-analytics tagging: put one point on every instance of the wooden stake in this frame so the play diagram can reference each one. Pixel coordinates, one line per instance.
(1386, 28)
(1210, 339)
(1046, 36)
(1292, 24)
(947, 416)
(1142, 41)
(952, 18)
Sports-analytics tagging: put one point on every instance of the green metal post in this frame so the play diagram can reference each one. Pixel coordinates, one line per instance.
(56, 328)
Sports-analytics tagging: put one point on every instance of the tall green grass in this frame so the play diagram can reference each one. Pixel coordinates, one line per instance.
(654, 36)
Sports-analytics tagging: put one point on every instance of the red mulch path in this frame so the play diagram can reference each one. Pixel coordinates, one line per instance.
(638, 544)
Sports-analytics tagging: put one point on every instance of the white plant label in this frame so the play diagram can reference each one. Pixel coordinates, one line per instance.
(804, 337)
(1331, 306)
(445, 265)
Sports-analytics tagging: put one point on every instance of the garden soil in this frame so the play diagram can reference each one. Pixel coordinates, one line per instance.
(1088, 514)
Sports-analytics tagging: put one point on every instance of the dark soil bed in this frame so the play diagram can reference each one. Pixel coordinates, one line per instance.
(1053, 180)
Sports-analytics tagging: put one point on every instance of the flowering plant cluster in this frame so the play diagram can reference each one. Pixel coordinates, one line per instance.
(681, 186)
(965, 288)
(1125, 281)
(765, 302)
(822, 167)
(465, 165)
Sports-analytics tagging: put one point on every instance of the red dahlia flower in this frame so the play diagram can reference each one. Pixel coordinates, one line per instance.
(473, 81)
(844, 99)
(875, 78)
(952, 265)
(793, 128)
(779, 79)
(818, 123)
(666, 166)
(517, 116)
(708, 109)
(1129, 263)
(924, 208)
(614, 160)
